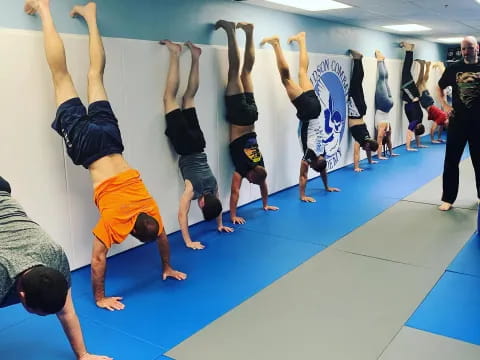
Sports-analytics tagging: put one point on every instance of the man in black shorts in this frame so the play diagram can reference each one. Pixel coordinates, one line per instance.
(93, 140)
(183, 130)
(242, 114)
(34, 271)
(357, 108)
(305, 100)
(411, 96)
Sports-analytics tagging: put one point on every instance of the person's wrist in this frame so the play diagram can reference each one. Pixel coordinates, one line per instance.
(83, 355)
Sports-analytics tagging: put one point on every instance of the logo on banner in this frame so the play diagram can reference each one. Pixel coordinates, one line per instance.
(331, 86)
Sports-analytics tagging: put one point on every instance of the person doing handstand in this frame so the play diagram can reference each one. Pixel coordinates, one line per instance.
(186, 136)
(241, 115)
(305, 100)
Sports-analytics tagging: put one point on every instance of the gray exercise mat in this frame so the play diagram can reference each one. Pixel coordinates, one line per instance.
(413, 344)
(335, 306)
(413, 233)
(431, 193)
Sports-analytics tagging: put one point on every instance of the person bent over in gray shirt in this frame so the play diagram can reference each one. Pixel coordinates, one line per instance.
(34, 271)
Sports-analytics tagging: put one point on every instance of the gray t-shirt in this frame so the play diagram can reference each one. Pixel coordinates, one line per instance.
(23, 245)
(194, 167)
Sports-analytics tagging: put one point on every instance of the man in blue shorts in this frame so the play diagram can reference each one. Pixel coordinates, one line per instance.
(93, 140)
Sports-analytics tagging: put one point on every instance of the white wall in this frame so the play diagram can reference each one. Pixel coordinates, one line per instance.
(58, 195)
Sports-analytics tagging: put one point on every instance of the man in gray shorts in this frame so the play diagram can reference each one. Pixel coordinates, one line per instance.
(183, 130)
(34, 271)
(242, 114)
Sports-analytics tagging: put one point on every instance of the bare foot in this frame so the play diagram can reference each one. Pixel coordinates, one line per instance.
(395, 154)
(196, 51)
(356, 55)
(31, 6)
(297, 38)
(85, 11)
(438, 65)
(445, 206)
(379, 56)
(382, 158)
(422, 146)
(407, 46)
(270, 40)
(245, 26)
(411, 149)
(436, 142)
(226, 25)
(173, 47)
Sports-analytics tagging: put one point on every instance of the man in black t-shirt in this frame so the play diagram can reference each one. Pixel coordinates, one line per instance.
(464, 123)
(242, 114)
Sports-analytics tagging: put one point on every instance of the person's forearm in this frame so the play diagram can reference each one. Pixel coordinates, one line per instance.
(356, 159)
(409, 138)
(302, 185)
(71, 326)
(264, 193)
(233, 203)
(324, 176)
(441, 96)
(164, 249)
(183, 222)
(219, 221)
(369, 157)
(98, 277)
(73, 331)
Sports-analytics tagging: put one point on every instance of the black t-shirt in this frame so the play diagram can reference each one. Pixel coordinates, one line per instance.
(245, 153)
(465, 82)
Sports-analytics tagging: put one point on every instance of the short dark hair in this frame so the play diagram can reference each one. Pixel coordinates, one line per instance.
(370, 145)
(419, 129)
(146, 228)
(319, 164)
(212, 207)
(258, 175)
(45, 289)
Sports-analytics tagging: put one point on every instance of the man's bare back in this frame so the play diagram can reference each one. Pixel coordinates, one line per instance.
(107, 167)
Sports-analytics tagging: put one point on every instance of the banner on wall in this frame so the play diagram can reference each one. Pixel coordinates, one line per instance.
(331, 78)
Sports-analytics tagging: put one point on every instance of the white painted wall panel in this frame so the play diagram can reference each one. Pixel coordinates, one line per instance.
(59, 195)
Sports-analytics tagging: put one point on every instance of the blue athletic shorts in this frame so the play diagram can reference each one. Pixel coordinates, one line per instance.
(90, 135)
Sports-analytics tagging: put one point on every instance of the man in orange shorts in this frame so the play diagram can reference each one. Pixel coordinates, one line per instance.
(93, 140)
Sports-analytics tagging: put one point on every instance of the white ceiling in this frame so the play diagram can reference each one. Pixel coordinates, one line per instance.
(447, 18)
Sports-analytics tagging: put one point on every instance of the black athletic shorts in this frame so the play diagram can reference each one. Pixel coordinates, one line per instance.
(183, 130)
(90, 135)
(241, 109)
(414, 112)
(5, 186)
(360, 133)
(307, 105)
